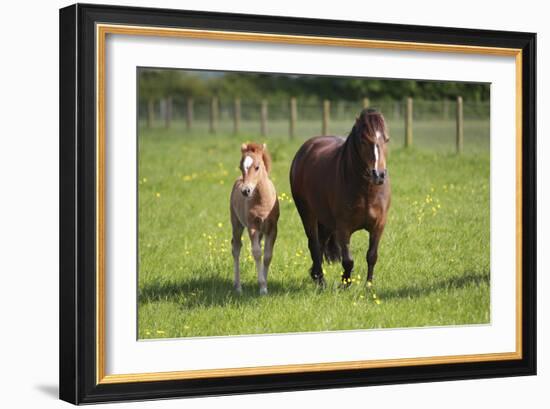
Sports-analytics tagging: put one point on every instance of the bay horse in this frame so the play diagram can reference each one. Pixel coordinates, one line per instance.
(254, 205)
(341, 186)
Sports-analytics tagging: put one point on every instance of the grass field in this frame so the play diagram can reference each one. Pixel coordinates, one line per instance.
(433, 265)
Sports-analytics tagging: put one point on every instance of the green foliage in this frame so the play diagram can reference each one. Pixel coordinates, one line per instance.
(433, 266)
(154, 84)
(253, 86)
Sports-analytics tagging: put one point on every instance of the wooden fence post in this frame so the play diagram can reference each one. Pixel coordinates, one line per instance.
(409, 123)
(150, 112)
(189, 114)
(263, 118)
(236, 116)
(366, 103)
(293, 117)
(459, 126)
(214, 115)
(326, 117)
(168, 113)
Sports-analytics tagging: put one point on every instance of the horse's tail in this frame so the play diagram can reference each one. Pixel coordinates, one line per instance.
(329, 248)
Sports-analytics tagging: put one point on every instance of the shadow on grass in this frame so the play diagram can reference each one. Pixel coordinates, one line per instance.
(218, 291)
(468, 279)
(212, 291)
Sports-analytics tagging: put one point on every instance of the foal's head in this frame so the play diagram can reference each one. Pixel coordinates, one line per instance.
(371, 136)
(255, 166)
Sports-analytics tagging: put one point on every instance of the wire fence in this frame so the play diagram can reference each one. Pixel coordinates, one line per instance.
(445, 125)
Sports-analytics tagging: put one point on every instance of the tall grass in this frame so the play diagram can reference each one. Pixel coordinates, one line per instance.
(433, 265)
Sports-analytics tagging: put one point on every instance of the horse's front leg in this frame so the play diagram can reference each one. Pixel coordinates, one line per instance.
(268, 253)
(312, 232)
(255, 240)
(372, 253)
(314, 246)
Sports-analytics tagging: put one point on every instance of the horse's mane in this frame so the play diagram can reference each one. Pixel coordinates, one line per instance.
(368, 123)
(253, 147)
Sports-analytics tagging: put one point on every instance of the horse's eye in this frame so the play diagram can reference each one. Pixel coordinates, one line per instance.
(257, 167)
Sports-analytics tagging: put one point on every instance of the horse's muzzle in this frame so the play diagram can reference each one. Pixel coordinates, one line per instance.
(246, 191)
(379, 177)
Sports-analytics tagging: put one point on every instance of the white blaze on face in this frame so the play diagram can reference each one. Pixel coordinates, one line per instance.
(247, 163)
(376, 153)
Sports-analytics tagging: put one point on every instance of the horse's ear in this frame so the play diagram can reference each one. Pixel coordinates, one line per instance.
(244, 147)
(264, 146)
(266, 158)
(386, 134)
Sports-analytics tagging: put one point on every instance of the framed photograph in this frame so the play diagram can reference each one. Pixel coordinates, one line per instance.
(257, 203)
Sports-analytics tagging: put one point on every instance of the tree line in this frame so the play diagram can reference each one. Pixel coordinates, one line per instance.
(163, 83)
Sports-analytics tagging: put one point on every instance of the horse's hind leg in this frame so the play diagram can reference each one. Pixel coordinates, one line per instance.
(347, 259)
(236, 244)
(372, 252)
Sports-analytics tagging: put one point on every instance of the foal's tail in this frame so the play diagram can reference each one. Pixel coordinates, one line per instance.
(329, 248)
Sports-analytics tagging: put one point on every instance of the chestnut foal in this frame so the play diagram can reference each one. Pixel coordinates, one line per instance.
(254, 205)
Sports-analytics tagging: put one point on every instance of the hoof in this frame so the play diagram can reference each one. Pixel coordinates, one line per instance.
(238, 289)
(345, 284)
(263, 291)
(320, 281)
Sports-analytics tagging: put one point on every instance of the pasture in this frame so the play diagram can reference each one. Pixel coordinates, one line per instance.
(433, 265)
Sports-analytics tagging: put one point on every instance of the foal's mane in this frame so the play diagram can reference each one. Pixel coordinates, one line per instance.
(368, 123)
(257, 148)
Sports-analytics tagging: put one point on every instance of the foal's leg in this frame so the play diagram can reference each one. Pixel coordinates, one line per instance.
(236, 245)
(255, 240)
(372, 253)
(268, 252)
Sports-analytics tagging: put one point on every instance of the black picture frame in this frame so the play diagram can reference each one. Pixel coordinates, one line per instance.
(78, 359)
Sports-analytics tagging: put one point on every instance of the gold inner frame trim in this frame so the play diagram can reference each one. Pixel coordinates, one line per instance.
(101, 33)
